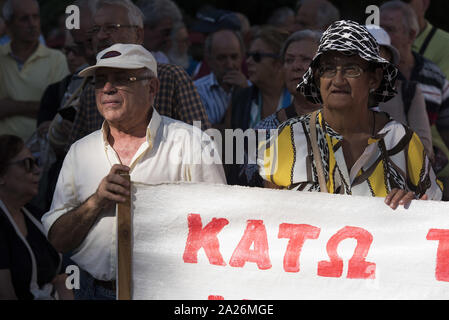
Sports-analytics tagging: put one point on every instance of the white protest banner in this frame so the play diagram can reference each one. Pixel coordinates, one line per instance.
(194, 241)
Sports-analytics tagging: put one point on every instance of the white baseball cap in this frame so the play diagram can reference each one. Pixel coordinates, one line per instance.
(123, 56)
(383, 39)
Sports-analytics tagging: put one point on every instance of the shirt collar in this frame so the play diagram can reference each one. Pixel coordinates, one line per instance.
(213, 82)
(334, 134)
(84, 66)
(152, 129)
(327, 129)
(40, 52)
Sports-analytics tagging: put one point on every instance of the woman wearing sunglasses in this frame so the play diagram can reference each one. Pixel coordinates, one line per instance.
(297, 53)
(268, 93)
(28, 263)
(345, 147)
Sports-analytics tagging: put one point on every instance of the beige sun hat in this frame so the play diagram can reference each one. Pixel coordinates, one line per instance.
(123, 56)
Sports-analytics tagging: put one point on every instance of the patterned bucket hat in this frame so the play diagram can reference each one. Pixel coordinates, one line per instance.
(349, 37)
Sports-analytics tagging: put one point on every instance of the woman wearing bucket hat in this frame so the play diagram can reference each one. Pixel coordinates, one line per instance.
(345, 147)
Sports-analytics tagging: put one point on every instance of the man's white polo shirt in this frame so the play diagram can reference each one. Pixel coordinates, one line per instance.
(169, 154)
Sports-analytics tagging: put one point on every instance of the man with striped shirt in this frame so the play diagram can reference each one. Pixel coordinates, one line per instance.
(400, 21)
(224, 54)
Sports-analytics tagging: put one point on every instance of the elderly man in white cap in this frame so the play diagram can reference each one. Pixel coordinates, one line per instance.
(134, 139)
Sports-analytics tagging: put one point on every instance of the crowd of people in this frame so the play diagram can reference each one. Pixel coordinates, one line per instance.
(359, 110)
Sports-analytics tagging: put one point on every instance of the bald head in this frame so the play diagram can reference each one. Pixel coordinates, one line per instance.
(222, 38)
(224, 52)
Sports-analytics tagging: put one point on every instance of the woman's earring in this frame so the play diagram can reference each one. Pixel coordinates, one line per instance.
(371, 90)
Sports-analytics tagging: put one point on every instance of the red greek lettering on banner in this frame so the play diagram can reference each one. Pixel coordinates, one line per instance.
(205, 238)
(298, 234)
(358, 268)
(256, 233)
(442, 261)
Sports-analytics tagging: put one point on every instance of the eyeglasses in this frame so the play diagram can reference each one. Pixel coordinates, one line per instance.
(28, 163)
(349, 71)
(109, 28)
(257, 56)
(119, 82)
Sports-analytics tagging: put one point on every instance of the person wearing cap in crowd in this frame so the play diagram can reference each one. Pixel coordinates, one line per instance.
(120, 21)
(408, 105)
(134, 139)
(431, 42)
(399, 20)
(346, 148)
(224, 53)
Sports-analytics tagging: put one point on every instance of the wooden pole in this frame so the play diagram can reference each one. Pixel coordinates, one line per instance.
(124, 234)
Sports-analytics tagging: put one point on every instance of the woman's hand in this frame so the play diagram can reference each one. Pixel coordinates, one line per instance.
(401, 197)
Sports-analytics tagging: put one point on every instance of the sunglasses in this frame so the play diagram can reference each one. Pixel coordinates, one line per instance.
(28, 164)
(257, 56)
(120, 82)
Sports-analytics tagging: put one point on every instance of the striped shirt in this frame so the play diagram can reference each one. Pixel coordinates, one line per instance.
(394, 158)
(435, 88)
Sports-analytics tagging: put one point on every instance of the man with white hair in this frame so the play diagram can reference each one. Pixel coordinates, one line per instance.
(27, 67)
(408, 105)
(399, 20)
(120, 21)
(134, 139)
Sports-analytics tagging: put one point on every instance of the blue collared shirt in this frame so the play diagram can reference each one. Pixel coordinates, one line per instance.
(215, 98)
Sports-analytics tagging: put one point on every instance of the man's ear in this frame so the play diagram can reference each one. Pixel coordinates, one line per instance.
(154, 86)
